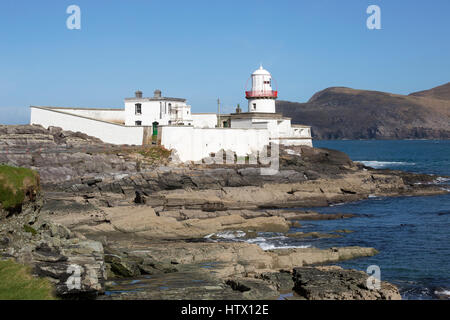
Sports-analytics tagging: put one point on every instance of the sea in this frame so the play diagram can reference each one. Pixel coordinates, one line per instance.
(412, 234)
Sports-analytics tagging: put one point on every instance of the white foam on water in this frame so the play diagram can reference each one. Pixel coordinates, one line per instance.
(442, 292)
(231, 235)
(271, 246)
(337, 204)
(265, 243)
(383, 164)
(441, 180)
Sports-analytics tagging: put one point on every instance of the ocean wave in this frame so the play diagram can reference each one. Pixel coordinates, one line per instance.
(265, 243)
(271, 246)
(227, 235)
(271, 243)
(337, 204)
(441, 180)
(383, 164)
(443, 293)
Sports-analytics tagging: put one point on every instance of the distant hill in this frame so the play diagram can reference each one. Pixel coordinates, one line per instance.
(441, 92)
(345, 113)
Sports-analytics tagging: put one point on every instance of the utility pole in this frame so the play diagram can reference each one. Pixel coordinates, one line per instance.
(219, 125)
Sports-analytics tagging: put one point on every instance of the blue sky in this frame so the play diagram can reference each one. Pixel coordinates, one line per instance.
(201, 50)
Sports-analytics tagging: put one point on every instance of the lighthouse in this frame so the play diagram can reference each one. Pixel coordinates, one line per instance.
(261, 97)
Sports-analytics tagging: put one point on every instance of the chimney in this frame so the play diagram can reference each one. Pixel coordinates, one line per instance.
(138, 94)
(157, 93)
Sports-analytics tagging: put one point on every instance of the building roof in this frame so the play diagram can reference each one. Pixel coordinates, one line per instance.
(261, 71)
(257, 115)
(143, 99)
(78, 108)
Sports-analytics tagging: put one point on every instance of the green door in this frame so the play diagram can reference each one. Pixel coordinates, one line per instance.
(155, 128)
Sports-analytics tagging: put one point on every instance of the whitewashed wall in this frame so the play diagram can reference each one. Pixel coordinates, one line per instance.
(193, 144)
(241, 123)
(151, 111)
(107, 132)
(204, 120)
(113, 115)
(262, 105)
(158, 111)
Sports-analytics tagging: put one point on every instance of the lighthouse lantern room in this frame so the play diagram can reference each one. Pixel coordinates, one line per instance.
(261, 97)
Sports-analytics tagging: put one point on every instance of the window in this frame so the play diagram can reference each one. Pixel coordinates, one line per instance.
(138, 108)
(254, 106)
(138, 123)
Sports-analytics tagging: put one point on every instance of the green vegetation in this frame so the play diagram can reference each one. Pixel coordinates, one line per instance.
(155, 153)
(17, 283)
(152, 154)
(15, 184)
(29, 229)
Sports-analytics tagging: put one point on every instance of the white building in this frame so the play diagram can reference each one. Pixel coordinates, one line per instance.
(146, 111)
(261, 113)
(169, 121)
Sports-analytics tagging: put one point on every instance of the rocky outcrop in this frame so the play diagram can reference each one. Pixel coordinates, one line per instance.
(77, 164)
(73, 264)
(225, 270)
(61, 156)
(335, 283)
(144, 222)
(234, 258)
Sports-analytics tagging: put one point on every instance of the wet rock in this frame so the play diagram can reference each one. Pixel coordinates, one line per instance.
(282, 280)
(315, 235)
(120, 267)
(344, 231)
(335, 283)
(253, 288)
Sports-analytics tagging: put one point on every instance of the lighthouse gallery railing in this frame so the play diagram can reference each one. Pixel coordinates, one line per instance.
(263, 94)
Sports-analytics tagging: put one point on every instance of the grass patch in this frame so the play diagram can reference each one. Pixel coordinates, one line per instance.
(151, 153)
(29, 229)
(17, 283)
(15, 184)
(155, 153)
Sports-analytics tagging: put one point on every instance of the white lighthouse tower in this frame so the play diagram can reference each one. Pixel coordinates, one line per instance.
(261, 98)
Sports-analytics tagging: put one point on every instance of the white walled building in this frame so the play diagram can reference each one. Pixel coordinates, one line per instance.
(171, 123)
(164, 111)
(261, 113)
(261, 98)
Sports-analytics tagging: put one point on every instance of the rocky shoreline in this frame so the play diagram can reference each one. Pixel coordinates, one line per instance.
(134, 220)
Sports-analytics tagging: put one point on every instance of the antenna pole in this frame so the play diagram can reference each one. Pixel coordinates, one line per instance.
(218, 113)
